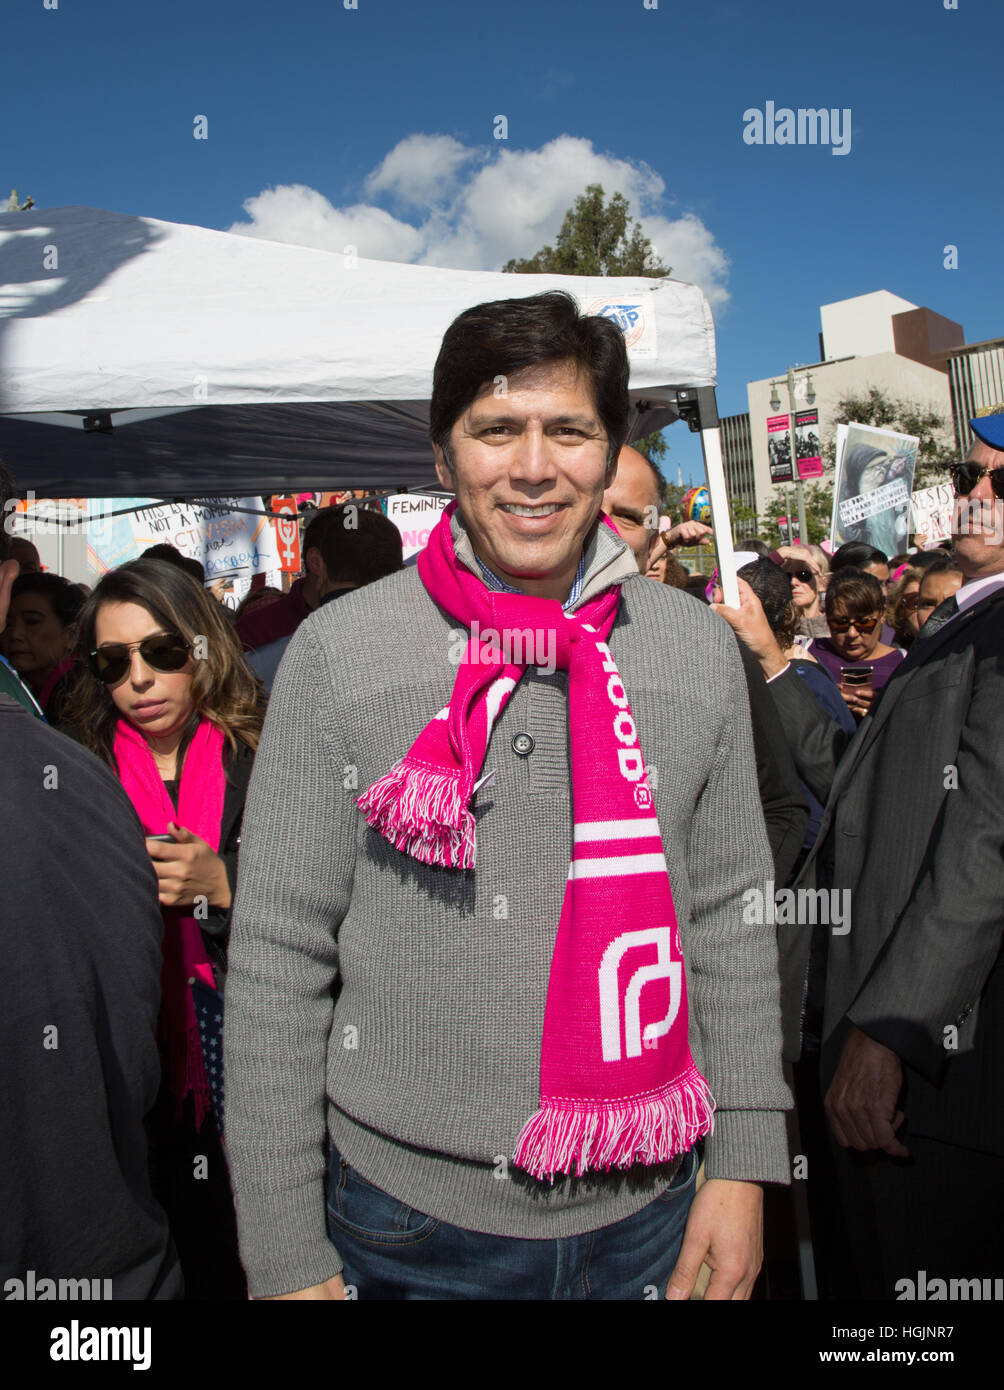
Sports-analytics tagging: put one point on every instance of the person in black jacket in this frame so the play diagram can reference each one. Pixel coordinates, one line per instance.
(165, 687)
(79, 994)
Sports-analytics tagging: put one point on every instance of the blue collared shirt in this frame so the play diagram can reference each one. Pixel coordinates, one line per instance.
(501, 587)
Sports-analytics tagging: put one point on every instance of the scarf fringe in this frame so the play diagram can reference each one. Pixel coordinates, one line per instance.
(575, 1137)
(423, 813)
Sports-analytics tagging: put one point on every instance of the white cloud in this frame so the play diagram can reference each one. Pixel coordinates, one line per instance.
(420, 170)
(475, 208)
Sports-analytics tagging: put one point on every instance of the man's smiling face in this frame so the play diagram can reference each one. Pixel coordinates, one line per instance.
(529, 467)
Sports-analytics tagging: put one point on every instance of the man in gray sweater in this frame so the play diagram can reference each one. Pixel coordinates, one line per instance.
(384, 1017)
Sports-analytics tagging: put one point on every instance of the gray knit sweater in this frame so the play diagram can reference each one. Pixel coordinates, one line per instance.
(401, 1005)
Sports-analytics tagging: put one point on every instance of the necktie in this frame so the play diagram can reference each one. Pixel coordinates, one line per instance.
(943, 614)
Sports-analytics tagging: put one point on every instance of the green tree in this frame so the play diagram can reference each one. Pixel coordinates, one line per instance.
(600, 238)
(936, 449)
(596, 238)
(818, 510)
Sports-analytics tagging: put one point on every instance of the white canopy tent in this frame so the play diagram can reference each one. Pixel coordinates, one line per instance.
(140, 357)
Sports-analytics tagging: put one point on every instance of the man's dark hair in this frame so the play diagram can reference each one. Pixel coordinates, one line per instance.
(359, 546)
(65, 598)
(856, 555)
(934, 559)
(173, 556)
(506, 336)
(6, 493)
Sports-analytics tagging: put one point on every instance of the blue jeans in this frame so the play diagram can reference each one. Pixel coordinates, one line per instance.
(391, 1251)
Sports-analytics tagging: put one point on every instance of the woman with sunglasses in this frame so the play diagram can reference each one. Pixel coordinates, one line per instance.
(855, 608)
(807, 588)
(170, 706)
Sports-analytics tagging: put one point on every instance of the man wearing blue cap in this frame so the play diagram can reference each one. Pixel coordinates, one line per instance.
(913, 1020)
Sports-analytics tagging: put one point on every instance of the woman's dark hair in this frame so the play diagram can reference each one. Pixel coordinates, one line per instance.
(856, 591)
(674, 574)
(65, 598)
(772, 586)
(504, 337)
(856, 555)
(896, 613)
(224, 690)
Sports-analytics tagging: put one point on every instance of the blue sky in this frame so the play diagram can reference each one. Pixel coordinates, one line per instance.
(375, 126)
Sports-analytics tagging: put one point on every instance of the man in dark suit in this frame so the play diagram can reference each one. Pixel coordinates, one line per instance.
(913, 1021)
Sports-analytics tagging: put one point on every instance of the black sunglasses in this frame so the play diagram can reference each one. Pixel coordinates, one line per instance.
(965, 476)
(161, 652)
(804, 574)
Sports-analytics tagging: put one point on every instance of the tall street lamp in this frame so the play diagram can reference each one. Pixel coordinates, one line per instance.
(775, 405)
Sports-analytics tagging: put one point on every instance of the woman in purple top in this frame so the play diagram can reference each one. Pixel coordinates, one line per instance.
(855, 606)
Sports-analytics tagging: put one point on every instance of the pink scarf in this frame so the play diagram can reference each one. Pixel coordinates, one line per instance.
(200, 809)
(618, 1085)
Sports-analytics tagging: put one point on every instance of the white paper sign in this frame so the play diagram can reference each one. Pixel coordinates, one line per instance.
(227, 543)
(415, 515)
(932, 513)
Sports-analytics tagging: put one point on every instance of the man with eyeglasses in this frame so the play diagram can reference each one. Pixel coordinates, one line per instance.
(913, 1022)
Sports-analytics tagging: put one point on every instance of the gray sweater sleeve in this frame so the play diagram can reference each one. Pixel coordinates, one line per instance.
(732, 965)
(279, 991)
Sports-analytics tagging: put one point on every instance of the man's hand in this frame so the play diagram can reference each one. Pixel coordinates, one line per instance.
(331, 1288)
(749, 623)
(861, 1102)
(725, 1232)
(188, 868)
(687, 533)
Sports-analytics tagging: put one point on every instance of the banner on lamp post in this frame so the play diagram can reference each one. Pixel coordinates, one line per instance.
(779, 448)
(807, 451)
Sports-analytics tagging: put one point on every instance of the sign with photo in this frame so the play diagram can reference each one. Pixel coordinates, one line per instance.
(871, 490)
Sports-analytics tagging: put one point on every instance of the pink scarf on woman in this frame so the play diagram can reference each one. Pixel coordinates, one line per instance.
(200, 809)
(618, 1085)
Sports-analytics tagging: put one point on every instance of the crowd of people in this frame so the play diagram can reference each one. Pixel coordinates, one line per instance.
(301, 994)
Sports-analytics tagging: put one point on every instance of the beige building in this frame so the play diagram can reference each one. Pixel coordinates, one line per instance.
(874, 340)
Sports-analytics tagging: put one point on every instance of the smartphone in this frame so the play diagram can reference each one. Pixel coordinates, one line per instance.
(856, 675)
(168, 839)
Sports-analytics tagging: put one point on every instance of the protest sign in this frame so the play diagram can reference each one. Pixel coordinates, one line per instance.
(414, 515)
(871, 490)
(933, 508)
